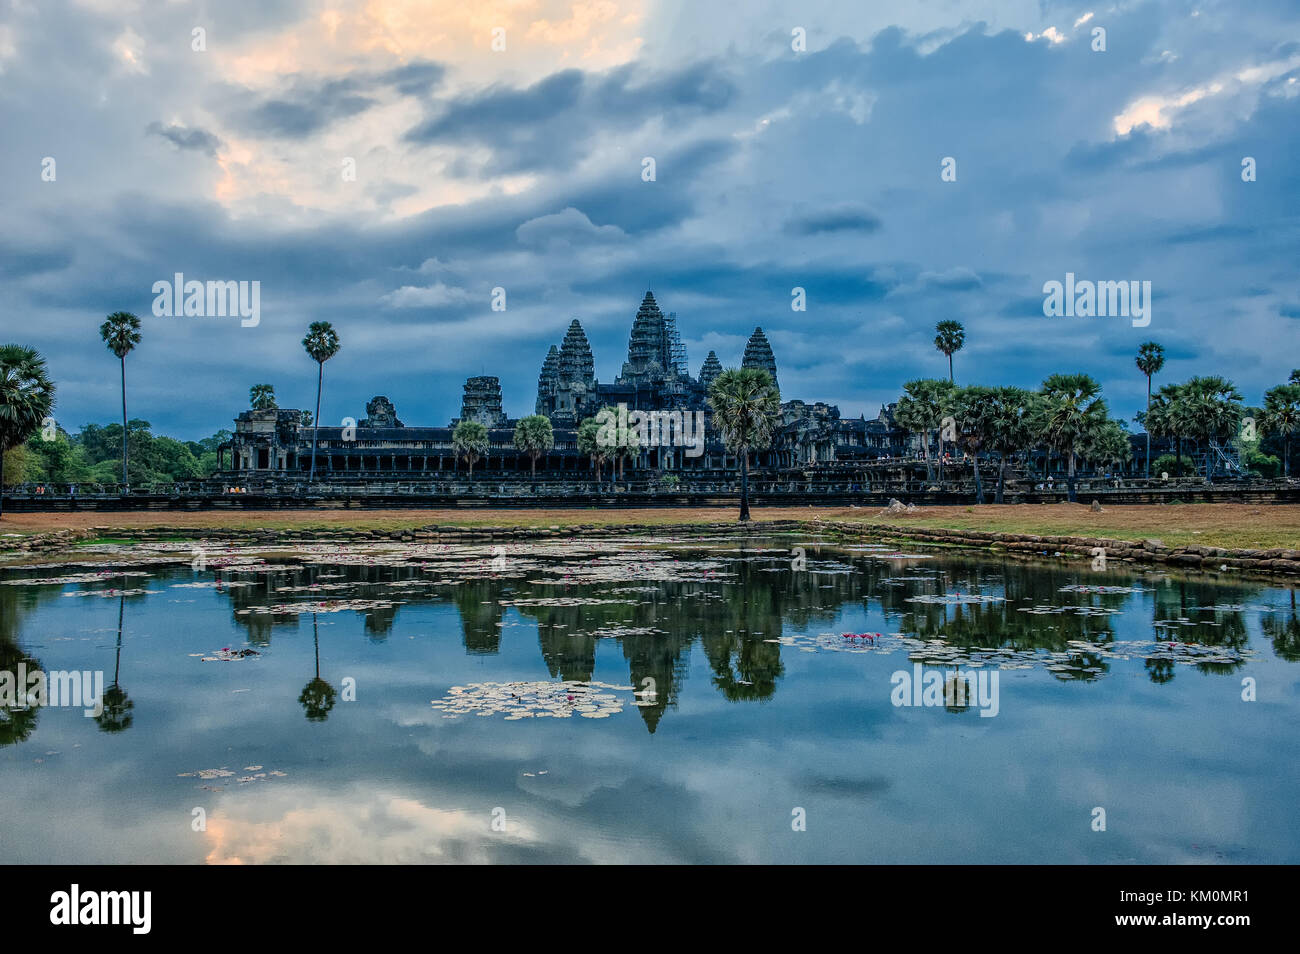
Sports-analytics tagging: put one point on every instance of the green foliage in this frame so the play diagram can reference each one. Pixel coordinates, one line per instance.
(94, 456)
(534, 436)
(321, 341)
(746, 408)
(262, 397)
(1265, 465)
(470, 440)
(1169, 464)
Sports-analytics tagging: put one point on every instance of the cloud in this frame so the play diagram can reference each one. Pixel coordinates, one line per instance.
(432, 296)
(844, 218)
(569, 226)
(186, 138)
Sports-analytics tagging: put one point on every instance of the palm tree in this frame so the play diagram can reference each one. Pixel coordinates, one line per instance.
(470, 440)
(317, 698)
(262, 397)
(590, 444)
(26, 397)
(534, 436)
(973, 411)
(121, 333)
(321, 344)
(920, 411)
(1150, 359)
(116, 715)
(1072, 409)
(1168, 418)
(1213, 412)
(746, 408)
(1282, 417)
(1108, 444)
(1012, 414)
(949, 337)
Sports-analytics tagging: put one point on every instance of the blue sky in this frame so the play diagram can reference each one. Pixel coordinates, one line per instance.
(522, 168)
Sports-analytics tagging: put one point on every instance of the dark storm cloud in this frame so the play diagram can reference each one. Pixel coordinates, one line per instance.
(552, 122)
(846, 218)
(311, 104)
(186, 138)
(774, 171)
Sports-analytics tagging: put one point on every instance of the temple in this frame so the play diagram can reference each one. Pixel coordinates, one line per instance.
(655, 377)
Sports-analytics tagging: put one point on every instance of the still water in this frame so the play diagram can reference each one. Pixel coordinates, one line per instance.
(646, 700)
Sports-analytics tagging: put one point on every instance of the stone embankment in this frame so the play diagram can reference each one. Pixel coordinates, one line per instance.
(1279, 561)
(1276, 560)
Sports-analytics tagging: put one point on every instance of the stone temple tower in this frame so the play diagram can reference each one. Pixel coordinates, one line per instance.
(711, 368)
(649, 350)
(758, 354)
(567, 383)
(482, 401)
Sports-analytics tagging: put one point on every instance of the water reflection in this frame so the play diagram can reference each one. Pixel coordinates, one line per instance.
(758, 687)
(656, 602)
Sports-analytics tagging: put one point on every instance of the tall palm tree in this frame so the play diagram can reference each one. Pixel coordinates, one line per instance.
(1072, 409)
(1150, 359)
(116, 716)
(746, 408)
(534, 436)
(1213, 411)
(1168, 418)
(470, 440)
(262, 397)
(121, 333)
(921, 411)
(973, 411)
(317, 697)
(1107, 444)
(590, 444)
(321, 344)
(949, 336)
(1012, 413)
(1282, 417)
(26, 397)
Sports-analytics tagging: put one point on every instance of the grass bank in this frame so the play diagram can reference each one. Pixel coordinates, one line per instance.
(1235, 526)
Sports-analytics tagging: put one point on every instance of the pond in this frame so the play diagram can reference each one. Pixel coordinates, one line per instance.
(608, 699)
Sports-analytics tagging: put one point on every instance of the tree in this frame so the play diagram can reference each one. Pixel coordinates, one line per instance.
(1107, 445)
(920, 411)
(470, 440)
(746, 408)
(949, 337)
(306, 418)
(1150, 359)
(121, 333)
(1213, 412)
(1168, 418)
(1072, 409)
(1282, 417)
(973, 414)
(262, 397)
(618, 441)
(317, 697)
(26, 397)
(589, 444)
(321, 344)
(534, 436)
(1012, 412)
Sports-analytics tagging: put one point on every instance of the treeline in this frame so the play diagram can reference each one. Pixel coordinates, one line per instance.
(94, 456)
(1067, 420)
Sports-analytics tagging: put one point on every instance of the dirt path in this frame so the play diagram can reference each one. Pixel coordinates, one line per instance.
(1225, 525)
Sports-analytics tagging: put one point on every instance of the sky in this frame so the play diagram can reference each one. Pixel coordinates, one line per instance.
(502, 145)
